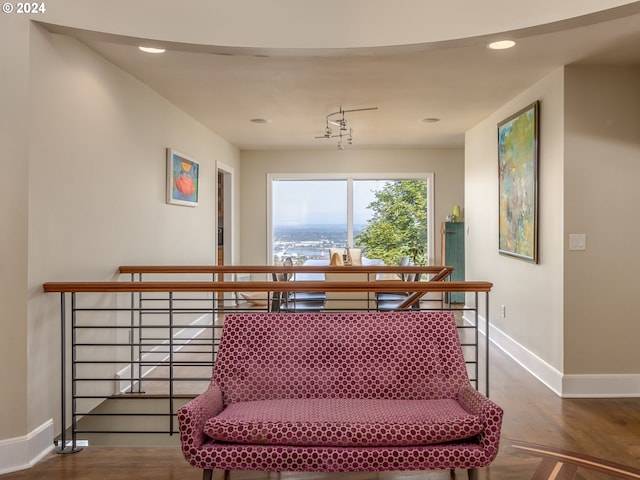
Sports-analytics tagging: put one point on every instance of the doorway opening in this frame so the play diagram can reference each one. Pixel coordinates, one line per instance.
(224, 221)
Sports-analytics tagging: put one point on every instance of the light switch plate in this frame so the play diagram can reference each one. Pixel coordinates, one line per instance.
(577, 241)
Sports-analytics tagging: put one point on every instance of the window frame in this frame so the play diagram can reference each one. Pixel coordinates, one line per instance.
(350, 178)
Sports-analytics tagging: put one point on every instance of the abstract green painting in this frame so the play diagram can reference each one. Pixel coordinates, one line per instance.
(518, 184)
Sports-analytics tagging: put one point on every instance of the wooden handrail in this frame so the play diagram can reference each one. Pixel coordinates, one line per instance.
(291, 286)
(443, 274)
(213, 269)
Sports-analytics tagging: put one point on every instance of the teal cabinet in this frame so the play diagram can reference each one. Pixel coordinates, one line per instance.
(453, 254)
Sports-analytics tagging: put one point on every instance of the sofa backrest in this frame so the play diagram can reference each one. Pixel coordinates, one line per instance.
(393, 355)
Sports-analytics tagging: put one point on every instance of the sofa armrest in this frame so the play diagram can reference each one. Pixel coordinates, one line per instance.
(193, 415)
(490, 414)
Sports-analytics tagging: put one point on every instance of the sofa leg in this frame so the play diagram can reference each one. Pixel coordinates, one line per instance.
(452, 472)
(227, 474)
(207, 474)
(473, 474)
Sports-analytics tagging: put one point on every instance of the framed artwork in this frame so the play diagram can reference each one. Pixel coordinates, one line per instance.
(182, 179)
(518, 184)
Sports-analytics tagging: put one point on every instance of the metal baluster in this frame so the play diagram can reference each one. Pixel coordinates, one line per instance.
(140, 335)
(74, 373)
(63, 374)
(486, 316)
(171, 431)
(132, 353)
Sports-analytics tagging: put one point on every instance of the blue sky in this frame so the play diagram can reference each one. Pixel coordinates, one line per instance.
(301, 202)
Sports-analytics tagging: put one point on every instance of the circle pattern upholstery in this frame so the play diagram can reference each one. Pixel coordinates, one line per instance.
(344, 422)
(392, 355)
(363, 355)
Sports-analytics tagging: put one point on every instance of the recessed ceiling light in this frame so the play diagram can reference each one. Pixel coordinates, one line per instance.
(430, 120)
(501, 44)
(260, 120)
(152, 49)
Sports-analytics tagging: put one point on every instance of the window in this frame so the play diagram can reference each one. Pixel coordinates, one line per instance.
(388, 216)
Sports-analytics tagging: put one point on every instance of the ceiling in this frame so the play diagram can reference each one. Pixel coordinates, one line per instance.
(459, 82)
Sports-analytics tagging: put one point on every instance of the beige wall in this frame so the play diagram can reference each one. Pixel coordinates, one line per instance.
(602, 171)
(14, 125)
(532, 294)
(569, 319)
(446, 164)
(87, 177)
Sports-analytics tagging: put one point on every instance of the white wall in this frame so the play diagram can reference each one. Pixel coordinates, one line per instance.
(602, 171)
(532, 294)
(96, 189)
(446, 164)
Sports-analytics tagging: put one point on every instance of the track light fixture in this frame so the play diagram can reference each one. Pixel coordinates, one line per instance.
(337, 120)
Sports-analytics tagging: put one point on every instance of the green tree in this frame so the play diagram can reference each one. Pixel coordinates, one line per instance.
(398, 226)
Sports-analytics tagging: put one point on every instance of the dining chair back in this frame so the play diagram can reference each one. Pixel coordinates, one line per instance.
(345, 301)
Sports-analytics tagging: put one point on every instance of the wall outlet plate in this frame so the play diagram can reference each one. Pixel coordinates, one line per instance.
(577, 241)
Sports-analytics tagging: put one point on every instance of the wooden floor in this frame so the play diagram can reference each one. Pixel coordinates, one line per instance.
(605, 430)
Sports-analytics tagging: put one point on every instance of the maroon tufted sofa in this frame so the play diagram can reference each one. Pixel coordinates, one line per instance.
(340, 392)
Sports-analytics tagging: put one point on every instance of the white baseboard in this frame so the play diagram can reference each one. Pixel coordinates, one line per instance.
(601, 386)
(528, 360)
(24, 452)
(565, 386)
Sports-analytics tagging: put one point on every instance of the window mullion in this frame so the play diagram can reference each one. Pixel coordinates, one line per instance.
(350, 213)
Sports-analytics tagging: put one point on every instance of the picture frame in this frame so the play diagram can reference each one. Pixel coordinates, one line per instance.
(518, 139)
(183, 175)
